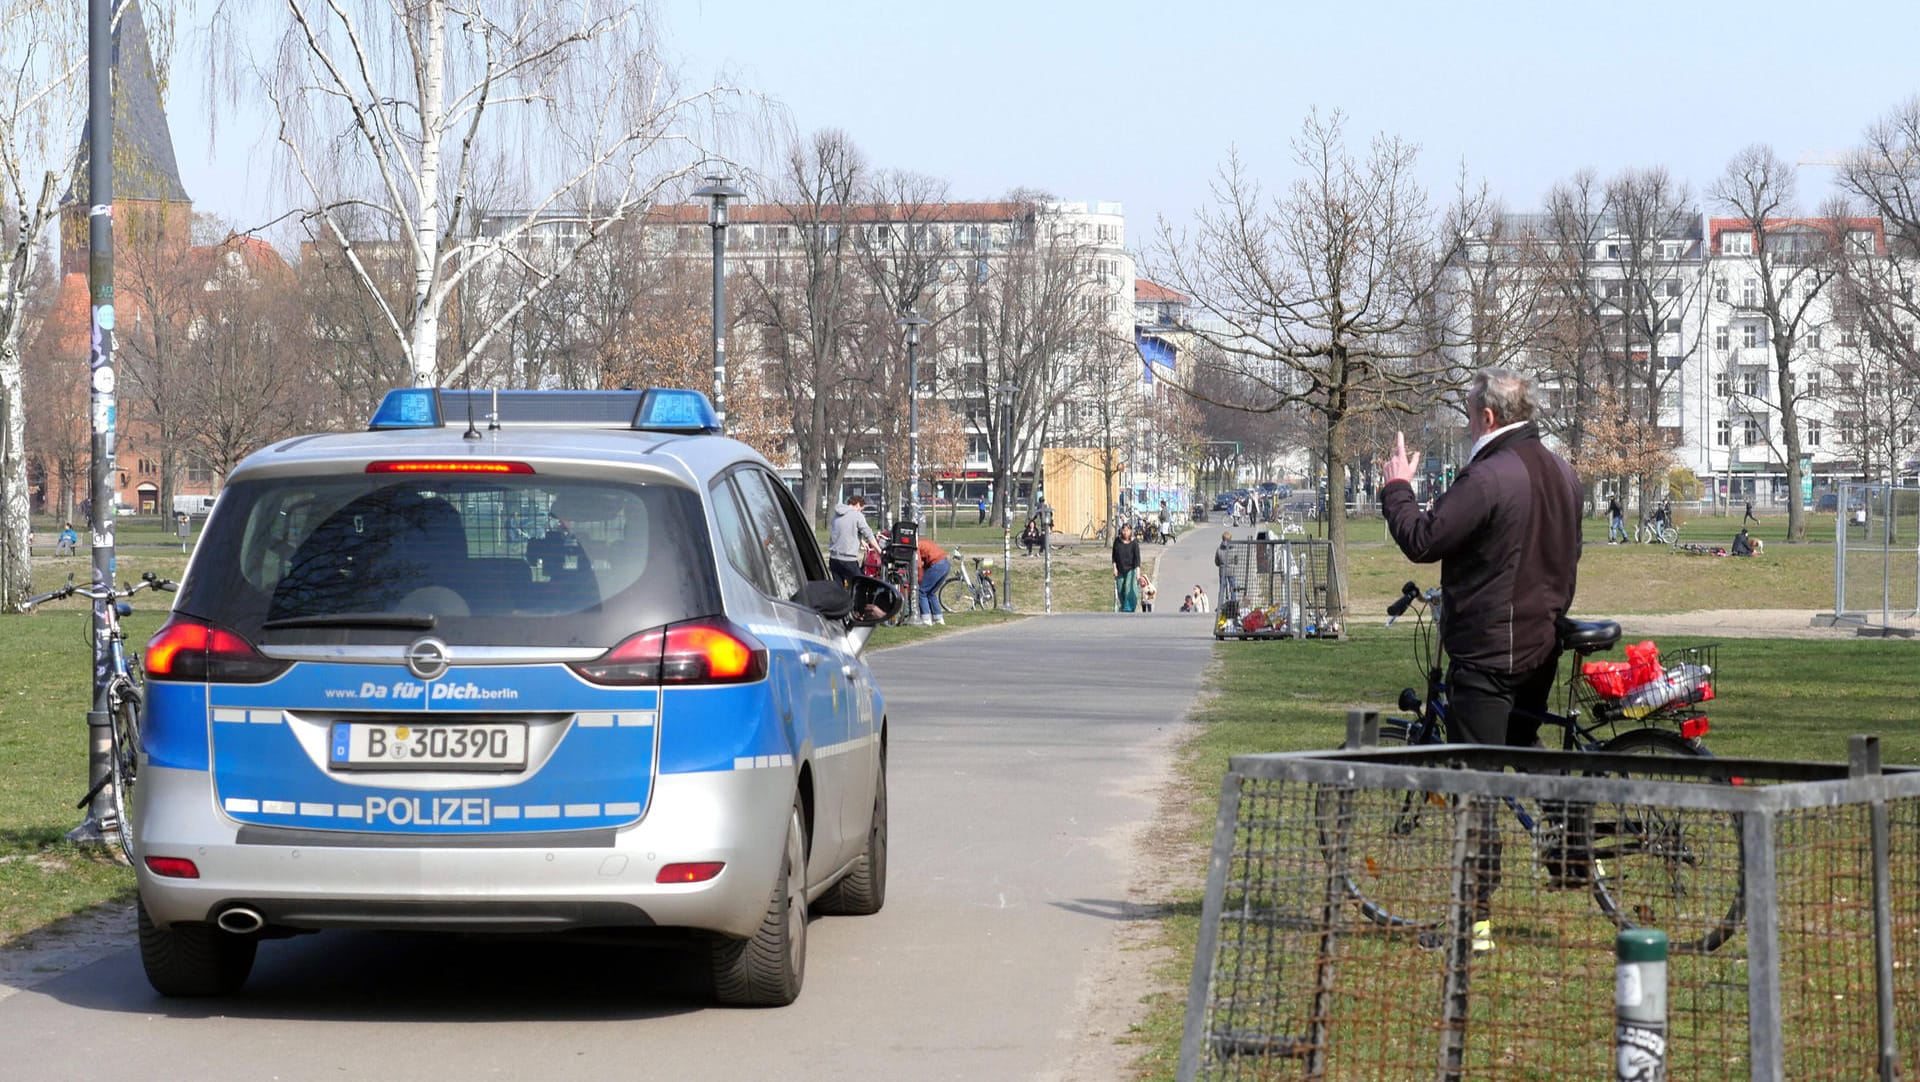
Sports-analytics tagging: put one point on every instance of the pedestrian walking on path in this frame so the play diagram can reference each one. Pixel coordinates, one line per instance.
(1126, 571)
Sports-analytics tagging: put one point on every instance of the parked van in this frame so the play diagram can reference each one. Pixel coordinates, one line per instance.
(194, 506)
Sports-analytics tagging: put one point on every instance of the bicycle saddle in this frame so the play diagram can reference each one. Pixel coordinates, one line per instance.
(1586, 637)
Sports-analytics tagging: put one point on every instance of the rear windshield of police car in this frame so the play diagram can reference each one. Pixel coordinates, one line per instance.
(523, 560)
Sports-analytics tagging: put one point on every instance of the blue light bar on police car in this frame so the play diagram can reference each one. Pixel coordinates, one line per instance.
(407, 407)
(657, 409)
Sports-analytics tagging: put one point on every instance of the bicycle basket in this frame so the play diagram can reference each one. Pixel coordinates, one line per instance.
(1685, 677)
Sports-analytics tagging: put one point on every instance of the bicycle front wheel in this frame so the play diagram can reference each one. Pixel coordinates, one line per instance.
(1676, 869)
(1399, 845)
(123, 764)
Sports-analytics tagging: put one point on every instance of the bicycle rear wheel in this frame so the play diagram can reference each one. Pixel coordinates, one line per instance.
(1399, 846)
(1678, 870)
(123, 764)
(985, 597)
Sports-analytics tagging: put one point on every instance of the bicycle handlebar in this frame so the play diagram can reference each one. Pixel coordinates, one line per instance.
(148, 581)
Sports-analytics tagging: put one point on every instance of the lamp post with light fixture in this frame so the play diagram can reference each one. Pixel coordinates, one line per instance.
(911, 322)
(718, 191)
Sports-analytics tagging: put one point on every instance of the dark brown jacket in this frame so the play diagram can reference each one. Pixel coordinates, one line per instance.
(1507, 535)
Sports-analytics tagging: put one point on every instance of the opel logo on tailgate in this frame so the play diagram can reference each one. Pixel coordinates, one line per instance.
(427, 658)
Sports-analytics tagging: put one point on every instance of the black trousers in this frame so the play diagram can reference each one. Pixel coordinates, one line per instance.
(844, 570)
(1481, 709)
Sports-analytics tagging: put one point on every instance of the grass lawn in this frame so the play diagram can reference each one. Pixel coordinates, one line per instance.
(1782, 699)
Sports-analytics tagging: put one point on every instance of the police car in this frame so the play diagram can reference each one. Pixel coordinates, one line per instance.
(510, 661)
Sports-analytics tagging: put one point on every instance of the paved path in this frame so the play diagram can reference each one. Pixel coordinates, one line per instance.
(1024, 761)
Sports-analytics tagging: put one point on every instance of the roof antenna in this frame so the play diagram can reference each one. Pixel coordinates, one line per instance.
(472, 432)
(493, 419)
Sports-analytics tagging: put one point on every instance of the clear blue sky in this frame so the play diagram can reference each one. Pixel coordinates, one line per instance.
(1139, 102)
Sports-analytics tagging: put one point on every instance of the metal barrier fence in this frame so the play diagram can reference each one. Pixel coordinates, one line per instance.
(1876, 555)
(1275, 589)
(1337, 941)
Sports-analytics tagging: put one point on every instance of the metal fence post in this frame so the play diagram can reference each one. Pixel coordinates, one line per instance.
(1863, 761)
(1764, 1046)
(1455, 984)
(1194, 1034)
(1363, 729)
(1640, 1006)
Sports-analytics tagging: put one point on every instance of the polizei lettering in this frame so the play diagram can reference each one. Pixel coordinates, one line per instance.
(432, 811)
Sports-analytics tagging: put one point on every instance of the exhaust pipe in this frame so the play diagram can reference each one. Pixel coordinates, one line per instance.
(240, 920)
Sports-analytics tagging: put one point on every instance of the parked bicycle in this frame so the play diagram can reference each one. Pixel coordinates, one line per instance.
(1644, 866)
(969, 590)
(126, 684)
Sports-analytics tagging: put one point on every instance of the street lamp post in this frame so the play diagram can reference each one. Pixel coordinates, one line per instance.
(912, 321)
(719, 191)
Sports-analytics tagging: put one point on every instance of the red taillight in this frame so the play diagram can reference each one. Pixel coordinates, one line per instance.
(712, 651)
(698, 872)
(446, 466)
(173, 867)
(1694, 728)
(185, 649)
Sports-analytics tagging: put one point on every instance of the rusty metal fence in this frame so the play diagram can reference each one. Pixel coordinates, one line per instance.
(1337, 937)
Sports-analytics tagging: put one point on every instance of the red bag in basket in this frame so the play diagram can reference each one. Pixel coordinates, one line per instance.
(1643, 664)
(1608, 678)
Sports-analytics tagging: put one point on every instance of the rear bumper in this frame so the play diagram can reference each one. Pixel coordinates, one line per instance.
(546, 881)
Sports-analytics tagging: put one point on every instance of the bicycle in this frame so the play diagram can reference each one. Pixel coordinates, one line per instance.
(1657, 528)
(964, 590)
(126, 686)
(1639, 863)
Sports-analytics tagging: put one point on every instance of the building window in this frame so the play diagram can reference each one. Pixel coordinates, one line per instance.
(1722, 433)
(1749, 335)
(1813, 382)
(1750, 383)
(1670, 287)
(1720, 340)
(1609, 251)
(1813, 338)
(1861, 242)
(1670, 325)
(1849, 336)
(1750, 292)
(1672, 249)
(1750, 431)
(1813, 433)
(1736, 243)
(1722, 386)
(1720, 289)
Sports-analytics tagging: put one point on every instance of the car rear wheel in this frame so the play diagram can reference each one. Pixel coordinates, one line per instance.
(194, 960)
(767, 969)
(862, 891)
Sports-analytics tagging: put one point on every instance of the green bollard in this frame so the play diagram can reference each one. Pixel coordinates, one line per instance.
(1640, 1006)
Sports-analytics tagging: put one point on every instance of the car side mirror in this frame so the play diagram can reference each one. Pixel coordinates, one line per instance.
(874, 602)
(828, 598)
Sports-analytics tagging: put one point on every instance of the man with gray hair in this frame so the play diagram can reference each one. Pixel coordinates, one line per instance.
(1507, 536)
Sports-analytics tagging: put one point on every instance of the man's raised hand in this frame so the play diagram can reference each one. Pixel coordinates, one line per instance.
(1401, 466)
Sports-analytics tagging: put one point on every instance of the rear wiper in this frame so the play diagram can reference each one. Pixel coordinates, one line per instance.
(405, 621)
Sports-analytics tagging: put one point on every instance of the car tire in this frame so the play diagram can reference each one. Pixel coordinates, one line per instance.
(767, 969)
(863, 890)
(194, 960)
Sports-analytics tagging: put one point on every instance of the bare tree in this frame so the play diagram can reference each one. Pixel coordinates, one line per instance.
(1883, 172)
(423, 112)
(1793, 260)
(43, 50)
(1032, 311)
(59, 435)
(804, 304)
(1324, 298)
